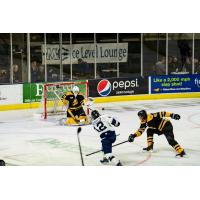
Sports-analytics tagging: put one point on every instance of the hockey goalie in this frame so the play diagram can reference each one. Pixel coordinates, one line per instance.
(73, 102)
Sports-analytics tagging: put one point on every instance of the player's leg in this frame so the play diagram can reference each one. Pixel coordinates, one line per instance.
(150, 142)
(81, 115)
(172, 142)
(71, 117)
(107, 150)
(168, 132)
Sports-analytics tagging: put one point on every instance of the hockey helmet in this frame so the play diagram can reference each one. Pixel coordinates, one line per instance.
(75, 90)
(143, 114)
(2, 163)
(95, 114)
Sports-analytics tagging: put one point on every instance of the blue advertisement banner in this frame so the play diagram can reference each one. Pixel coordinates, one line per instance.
(174, 84)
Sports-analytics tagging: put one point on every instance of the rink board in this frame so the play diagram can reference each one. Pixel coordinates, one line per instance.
(110, 99)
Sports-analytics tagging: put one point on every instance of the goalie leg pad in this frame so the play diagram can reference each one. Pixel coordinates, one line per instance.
(84, 120)
(71, 121)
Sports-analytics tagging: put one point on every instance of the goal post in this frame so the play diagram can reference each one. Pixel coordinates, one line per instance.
(51, 102)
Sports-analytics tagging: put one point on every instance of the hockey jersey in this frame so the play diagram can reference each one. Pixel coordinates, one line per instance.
(72, 101)
(154, 121)
(105, 124)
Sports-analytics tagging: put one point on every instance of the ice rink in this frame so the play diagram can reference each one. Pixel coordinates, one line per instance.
(26, 140)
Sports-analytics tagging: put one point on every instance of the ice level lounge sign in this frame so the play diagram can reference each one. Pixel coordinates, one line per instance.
(105, 53)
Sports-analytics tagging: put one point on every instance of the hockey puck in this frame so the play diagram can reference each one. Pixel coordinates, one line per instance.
(103, 109)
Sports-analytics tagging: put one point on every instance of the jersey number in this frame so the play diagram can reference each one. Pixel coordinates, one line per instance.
(101, 126)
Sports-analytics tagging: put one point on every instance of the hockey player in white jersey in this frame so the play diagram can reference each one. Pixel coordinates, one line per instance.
(104, 124)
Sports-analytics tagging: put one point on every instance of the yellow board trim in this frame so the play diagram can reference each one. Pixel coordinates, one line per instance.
(146, 97)
(110, 99)
(19, 106)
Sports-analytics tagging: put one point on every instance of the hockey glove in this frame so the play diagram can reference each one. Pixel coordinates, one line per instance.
(131, 137)
(117, 124)
(175, 116)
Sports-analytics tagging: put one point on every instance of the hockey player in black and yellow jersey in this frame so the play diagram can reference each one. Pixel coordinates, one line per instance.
(157, 124)
(73, 101)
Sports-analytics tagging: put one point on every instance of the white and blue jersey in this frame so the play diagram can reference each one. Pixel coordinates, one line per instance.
(104, 125)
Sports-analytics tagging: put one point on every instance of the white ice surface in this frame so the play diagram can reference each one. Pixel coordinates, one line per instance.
(27, 140)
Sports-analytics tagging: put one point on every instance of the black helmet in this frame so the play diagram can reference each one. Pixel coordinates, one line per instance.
(142, 113)
(95, 114)
(2, 163)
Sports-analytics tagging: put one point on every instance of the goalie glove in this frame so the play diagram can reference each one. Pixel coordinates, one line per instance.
(131, 137)
(79, 121)
(175, 116)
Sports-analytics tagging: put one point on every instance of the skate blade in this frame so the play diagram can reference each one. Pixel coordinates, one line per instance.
(119, 164)
(105, 164)
(179, 157)
(150, 151)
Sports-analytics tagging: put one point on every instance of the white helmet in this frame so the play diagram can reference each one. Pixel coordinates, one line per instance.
(75, 90)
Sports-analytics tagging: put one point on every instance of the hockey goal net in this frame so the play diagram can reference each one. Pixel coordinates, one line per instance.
(51, 103)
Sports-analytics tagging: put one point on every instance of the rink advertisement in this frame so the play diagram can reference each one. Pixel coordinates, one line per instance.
(85, 53)
(10, 94)
(117, 87)
(33, 92)
(174, 84)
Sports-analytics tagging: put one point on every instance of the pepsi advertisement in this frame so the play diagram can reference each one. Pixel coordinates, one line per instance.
(117, 87)
(175, 84)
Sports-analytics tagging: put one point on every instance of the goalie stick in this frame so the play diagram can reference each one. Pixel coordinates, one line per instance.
(79, 144)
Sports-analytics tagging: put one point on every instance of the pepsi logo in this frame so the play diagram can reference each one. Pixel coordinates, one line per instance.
(104, 87)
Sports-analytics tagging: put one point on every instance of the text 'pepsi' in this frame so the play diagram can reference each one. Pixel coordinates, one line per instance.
(125, 84)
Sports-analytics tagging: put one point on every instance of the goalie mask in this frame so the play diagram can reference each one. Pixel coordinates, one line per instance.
(75, 90)
(95, 114)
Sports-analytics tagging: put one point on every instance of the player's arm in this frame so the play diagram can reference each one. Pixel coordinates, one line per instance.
(65, 102)
(64, 99)
(138, 132)
(168, 114)
(81, 99)
(114, 122)
(74, 117)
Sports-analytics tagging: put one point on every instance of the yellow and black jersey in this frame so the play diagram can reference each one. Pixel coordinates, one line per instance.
(155, 121)
(72, 101)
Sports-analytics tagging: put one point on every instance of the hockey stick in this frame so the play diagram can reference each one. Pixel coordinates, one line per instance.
(101, 149)
(79, 144)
